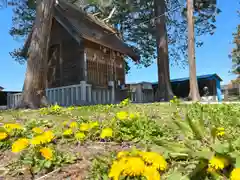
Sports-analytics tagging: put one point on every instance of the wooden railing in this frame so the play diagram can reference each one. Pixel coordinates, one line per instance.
(83, 94)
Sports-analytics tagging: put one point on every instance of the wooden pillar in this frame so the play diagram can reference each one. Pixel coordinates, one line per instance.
(98, 75)
(85, 66)
(61, 64)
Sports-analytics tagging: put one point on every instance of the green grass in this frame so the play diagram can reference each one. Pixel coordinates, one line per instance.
(163, 128)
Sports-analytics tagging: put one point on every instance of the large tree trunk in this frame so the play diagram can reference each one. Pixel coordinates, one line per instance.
(36, 73)
(164, 91)
(194, 92)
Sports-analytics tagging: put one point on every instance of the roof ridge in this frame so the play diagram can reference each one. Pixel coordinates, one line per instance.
(90, 17)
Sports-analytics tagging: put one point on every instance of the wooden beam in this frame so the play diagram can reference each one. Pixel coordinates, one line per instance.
(85, 66)
(68, 26)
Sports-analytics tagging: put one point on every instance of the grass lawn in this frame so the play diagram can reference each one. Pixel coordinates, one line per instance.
(128, 141)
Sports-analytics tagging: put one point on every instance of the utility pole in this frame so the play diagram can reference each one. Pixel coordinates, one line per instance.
(194, 91)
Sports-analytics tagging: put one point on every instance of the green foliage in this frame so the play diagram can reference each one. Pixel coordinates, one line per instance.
(236, 52)
(100, 167)
(55, 110)
(139, 129)
(136, 25)
(189, 141)
(206, 133)
(33, 158)
(23, 17)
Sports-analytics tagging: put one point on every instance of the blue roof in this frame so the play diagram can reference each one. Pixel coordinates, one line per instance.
(207, 76)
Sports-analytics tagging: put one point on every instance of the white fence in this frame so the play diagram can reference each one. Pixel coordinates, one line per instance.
(83, 94)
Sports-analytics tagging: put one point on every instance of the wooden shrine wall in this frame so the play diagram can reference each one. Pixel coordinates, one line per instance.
(103, 65)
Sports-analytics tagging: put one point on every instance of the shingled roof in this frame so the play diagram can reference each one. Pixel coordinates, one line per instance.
(80, 24)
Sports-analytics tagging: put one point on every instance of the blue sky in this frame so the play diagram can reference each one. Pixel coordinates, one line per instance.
(211, 58)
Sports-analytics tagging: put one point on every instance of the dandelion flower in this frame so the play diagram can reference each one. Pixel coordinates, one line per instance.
(125, 102)
(220, 132)
(38, 130)
(71, 108)
(235, 174)
(20, 145)
(122, 115)
(134, 167)
(122, 154)
(47, 153)
(85, 127)
(154, 159)
(116, 169)
(48, 136)
(37, 140)
(80, 136)
(3, 135)
(106, 132)
(56, 107)
(132, 116)
(10, 127)
(217, 163)
(210, 170)
(220, 129)
(73, 125)
(94, 124)
(68, 132)
(150, 173)
(65, 123)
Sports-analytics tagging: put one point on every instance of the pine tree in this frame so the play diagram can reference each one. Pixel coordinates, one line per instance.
(236, 52)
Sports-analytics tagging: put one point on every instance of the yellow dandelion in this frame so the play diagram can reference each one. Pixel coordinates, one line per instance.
(38, 130)
(47, 153)
(10, 127)
(73, 125)
(122, 115)
(217, 163)
(132, 116)
(56, 107)
(80, 136)
(210, 170)
(235, 174)
(3, 135)
(125, 102)
(37, 140)
(48, 136)
(106, 132)
(154, 159)
(134, 166)
(94, 124)
(220, 132)
(116, 169)
(71, 108)
(85, 127)
(122, 154)
(19, 145)
(150, 173)
(68, 132)
(65, 123)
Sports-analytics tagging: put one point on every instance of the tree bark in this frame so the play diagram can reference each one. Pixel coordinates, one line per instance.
(36, 73)
(164, 91)
(194, 91)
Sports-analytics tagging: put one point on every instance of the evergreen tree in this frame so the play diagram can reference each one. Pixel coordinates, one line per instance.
(236, 52)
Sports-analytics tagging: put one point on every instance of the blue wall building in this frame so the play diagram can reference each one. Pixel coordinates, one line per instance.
(181, 86)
